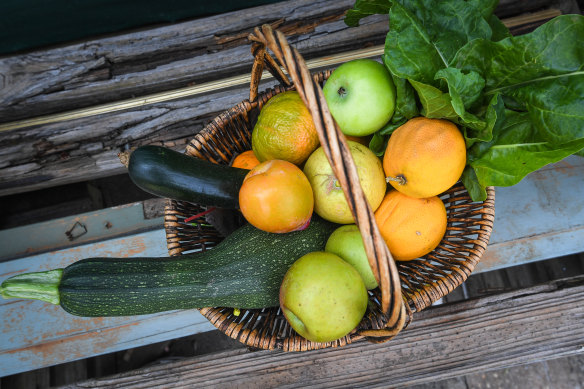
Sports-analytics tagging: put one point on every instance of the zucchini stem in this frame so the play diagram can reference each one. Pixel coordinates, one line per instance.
(42, 286)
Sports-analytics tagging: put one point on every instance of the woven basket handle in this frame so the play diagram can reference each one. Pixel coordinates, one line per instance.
(263, 59)
(341, 160)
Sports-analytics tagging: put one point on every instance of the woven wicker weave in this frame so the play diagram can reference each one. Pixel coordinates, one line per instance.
(405, 287)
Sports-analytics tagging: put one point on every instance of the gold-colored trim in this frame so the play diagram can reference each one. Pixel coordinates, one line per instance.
(190, 91)
(531, 18)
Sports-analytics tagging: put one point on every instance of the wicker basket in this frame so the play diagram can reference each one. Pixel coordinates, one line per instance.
(405, 287)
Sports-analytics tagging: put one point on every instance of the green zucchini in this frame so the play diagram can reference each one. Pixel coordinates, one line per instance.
(243, 271)
(167, 173)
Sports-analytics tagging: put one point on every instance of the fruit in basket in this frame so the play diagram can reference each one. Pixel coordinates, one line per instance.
(284, 130)
(411, 227)
(329, 199)
(424, 157)
(246, 160)
(346, 242)
(360, 95)
(276, 197)
(323, 297)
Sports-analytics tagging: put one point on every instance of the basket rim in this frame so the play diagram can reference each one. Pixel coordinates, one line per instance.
(416, 301)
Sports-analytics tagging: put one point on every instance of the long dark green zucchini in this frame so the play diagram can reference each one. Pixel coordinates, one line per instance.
(167, 173)
(244, 271)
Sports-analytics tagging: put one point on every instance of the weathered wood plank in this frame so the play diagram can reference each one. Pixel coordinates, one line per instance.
(147, 61)
(80, 229)
(26, 339)
(70, 151)
(87, 148)
(168, 57)
(541, 217)
(443, 342)
(34, 334)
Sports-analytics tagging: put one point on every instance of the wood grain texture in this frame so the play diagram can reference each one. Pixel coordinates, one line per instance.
(444, 342)
(139, 63)
(171, 56)
(168, 57)
(73, 151)
(136, 64)
(35, 334)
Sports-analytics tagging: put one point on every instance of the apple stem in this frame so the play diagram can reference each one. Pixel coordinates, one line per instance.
(400, 179)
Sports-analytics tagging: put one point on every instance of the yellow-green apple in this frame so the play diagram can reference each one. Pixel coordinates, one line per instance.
(323, 297)
(329, 200)
(346, 242)
(360, 95)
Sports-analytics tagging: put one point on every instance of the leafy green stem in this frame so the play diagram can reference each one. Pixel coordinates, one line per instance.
(520, 84)
(42, 286)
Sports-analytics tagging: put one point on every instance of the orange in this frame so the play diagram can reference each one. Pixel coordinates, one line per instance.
(276, 197)
(424, 157)
(284, 130)
(246, 160)
(411, 227)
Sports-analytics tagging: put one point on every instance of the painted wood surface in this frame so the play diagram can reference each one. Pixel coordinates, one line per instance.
(34, 334)
(77, 230)
(541, 217)
(443, 342)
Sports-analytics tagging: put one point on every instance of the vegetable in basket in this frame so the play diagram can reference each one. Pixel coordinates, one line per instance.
(243, 271)
(167, 173)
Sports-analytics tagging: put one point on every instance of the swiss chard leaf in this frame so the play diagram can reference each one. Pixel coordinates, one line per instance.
(515, 151)
(408, 44)
(494, 118)
(425, 35)
(464, 90)
(378, 142)
(470, 181)
(405, 103)
(500, 31)
(543, 70)
(467, 87)
(364, 8)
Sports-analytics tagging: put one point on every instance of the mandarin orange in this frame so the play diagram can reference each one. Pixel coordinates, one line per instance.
(246, 160)
(411, 227)
(424, 157)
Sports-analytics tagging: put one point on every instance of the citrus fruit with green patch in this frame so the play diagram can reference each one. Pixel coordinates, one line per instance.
(284, 130)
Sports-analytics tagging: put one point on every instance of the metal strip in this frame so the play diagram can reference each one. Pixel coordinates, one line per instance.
(75, 230)
(182, 92)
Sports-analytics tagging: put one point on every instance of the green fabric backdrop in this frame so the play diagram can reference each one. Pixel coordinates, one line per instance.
(31, 24)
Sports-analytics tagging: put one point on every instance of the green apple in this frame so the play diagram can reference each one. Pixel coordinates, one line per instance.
(329, 199)
(323, 297)
(360, 95)
(346, 242)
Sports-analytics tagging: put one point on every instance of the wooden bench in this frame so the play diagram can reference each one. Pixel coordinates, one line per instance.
(162, 85)
(528, 227)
